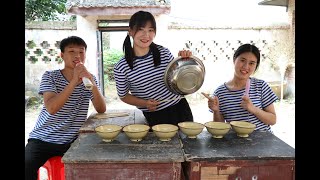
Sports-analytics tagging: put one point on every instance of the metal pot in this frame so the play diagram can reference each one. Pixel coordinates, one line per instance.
(184, 75)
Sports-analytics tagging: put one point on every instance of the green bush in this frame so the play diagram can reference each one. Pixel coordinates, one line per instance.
(110, 58)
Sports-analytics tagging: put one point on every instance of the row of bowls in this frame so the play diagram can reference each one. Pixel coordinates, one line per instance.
(217, 129)
(136, 132)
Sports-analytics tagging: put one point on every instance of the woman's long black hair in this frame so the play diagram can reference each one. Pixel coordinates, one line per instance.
(138, 20)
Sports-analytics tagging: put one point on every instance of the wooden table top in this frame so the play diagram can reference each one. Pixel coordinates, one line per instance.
(89, 148)
(259, 145)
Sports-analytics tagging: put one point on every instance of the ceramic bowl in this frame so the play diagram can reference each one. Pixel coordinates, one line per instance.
(165, 131)
(242, 128)
(136, 132)
(217, 129)
(191, 129)
(108, 132)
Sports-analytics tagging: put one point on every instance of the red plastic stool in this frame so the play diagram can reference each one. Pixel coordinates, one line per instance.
(55, 168)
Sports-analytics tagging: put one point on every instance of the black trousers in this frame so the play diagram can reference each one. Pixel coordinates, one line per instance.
(171, 115)
(37, 152)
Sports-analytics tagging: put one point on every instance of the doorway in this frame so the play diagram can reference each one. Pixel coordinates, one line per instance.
(112, 34)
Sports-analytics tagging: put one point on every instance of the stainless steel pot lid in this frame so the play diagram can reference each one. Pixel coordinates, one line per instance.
(184, 76)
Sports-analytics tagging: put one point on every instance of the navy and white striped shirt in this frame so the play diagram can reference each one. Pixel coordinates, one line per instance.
(63, 126)
(145, 80)
(260, 94)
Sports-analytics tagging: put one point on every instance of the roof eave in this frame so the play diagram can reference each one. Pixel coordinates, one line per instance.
(274, 3)
(111, 11)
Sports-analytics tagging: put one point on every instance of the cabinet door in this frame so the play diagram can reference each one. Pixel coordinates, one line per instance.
(241, 170)
(225, 172)
(283, 172)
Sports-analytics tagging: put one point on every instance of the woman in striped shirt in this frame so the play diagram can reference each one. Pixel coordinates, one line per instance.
(232, 101)
(65, 109)
(139, 74)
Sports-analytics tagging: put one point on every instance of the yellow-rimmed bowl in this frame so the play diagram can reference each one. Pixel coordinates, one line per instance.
(108, 132)
(217, 129)
(136, 132)
(242, 128)
(165, 131)
(191, 129)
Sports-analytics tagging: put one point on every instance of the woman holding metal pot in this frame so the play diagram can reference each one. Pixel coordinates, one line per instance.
(139, 74)
(245, 98)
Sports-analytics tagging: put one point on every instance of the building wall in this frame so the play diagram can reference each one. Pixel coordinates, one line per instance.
(216, 49)
(46, 38)
(35, 65)
(214, 44)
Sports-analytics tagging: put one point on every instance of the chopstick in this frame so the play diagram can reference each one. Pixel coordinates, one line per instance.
(171, 99)
(206, 95)
(109, 115)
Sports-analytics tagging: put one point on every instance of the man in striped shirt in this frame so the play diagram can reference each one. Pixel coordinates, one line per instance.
(66, 103)
(245, 98)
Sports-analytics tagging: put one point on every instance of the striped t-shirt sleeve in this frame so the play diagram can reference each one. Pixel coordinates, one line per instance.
(47, 83)
(267, 96)
(122, 83)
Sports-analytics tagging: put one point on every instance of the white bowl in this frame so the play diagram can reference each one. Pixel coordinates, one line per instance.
(165, 131)
(108, 132)
(243, 128)
(136, 132)
(191, 129)
(217, 129)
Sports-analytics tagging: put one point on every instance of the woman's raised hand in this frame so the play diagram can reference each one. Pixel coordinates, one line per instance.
(185, 53)
(213, 102)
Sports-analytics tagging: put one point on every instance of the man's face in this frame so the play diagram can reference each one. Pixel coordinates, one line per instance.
(73, 54)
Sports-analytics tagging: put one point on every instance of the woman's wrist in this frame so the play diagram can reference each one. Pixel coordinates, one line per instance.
(255, 110)
(216, 111)
(145, 103)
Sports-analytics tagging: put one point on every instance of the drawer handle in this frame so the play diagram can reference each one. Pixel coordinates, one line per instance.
(254, 177)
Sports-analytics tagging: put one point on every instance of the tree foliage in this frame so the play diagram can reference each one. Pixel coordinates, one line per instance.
(44, 10)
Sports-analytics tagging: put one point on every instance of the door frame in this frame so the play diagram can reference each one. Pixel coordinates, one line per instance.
(103, 27)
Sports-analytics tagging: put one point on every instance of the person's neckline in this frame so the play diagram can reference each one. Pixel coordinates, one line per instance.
(65, 78)
(234, 89)
(61, 72)
(143, 56)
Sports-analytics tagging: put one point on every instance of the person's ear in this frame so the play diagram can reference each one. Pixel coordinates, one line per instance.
(130, 33)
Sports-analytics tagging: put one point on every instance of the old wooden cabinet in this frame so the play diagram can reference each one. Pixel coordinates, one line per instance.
(260, 156)
(91, 158)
